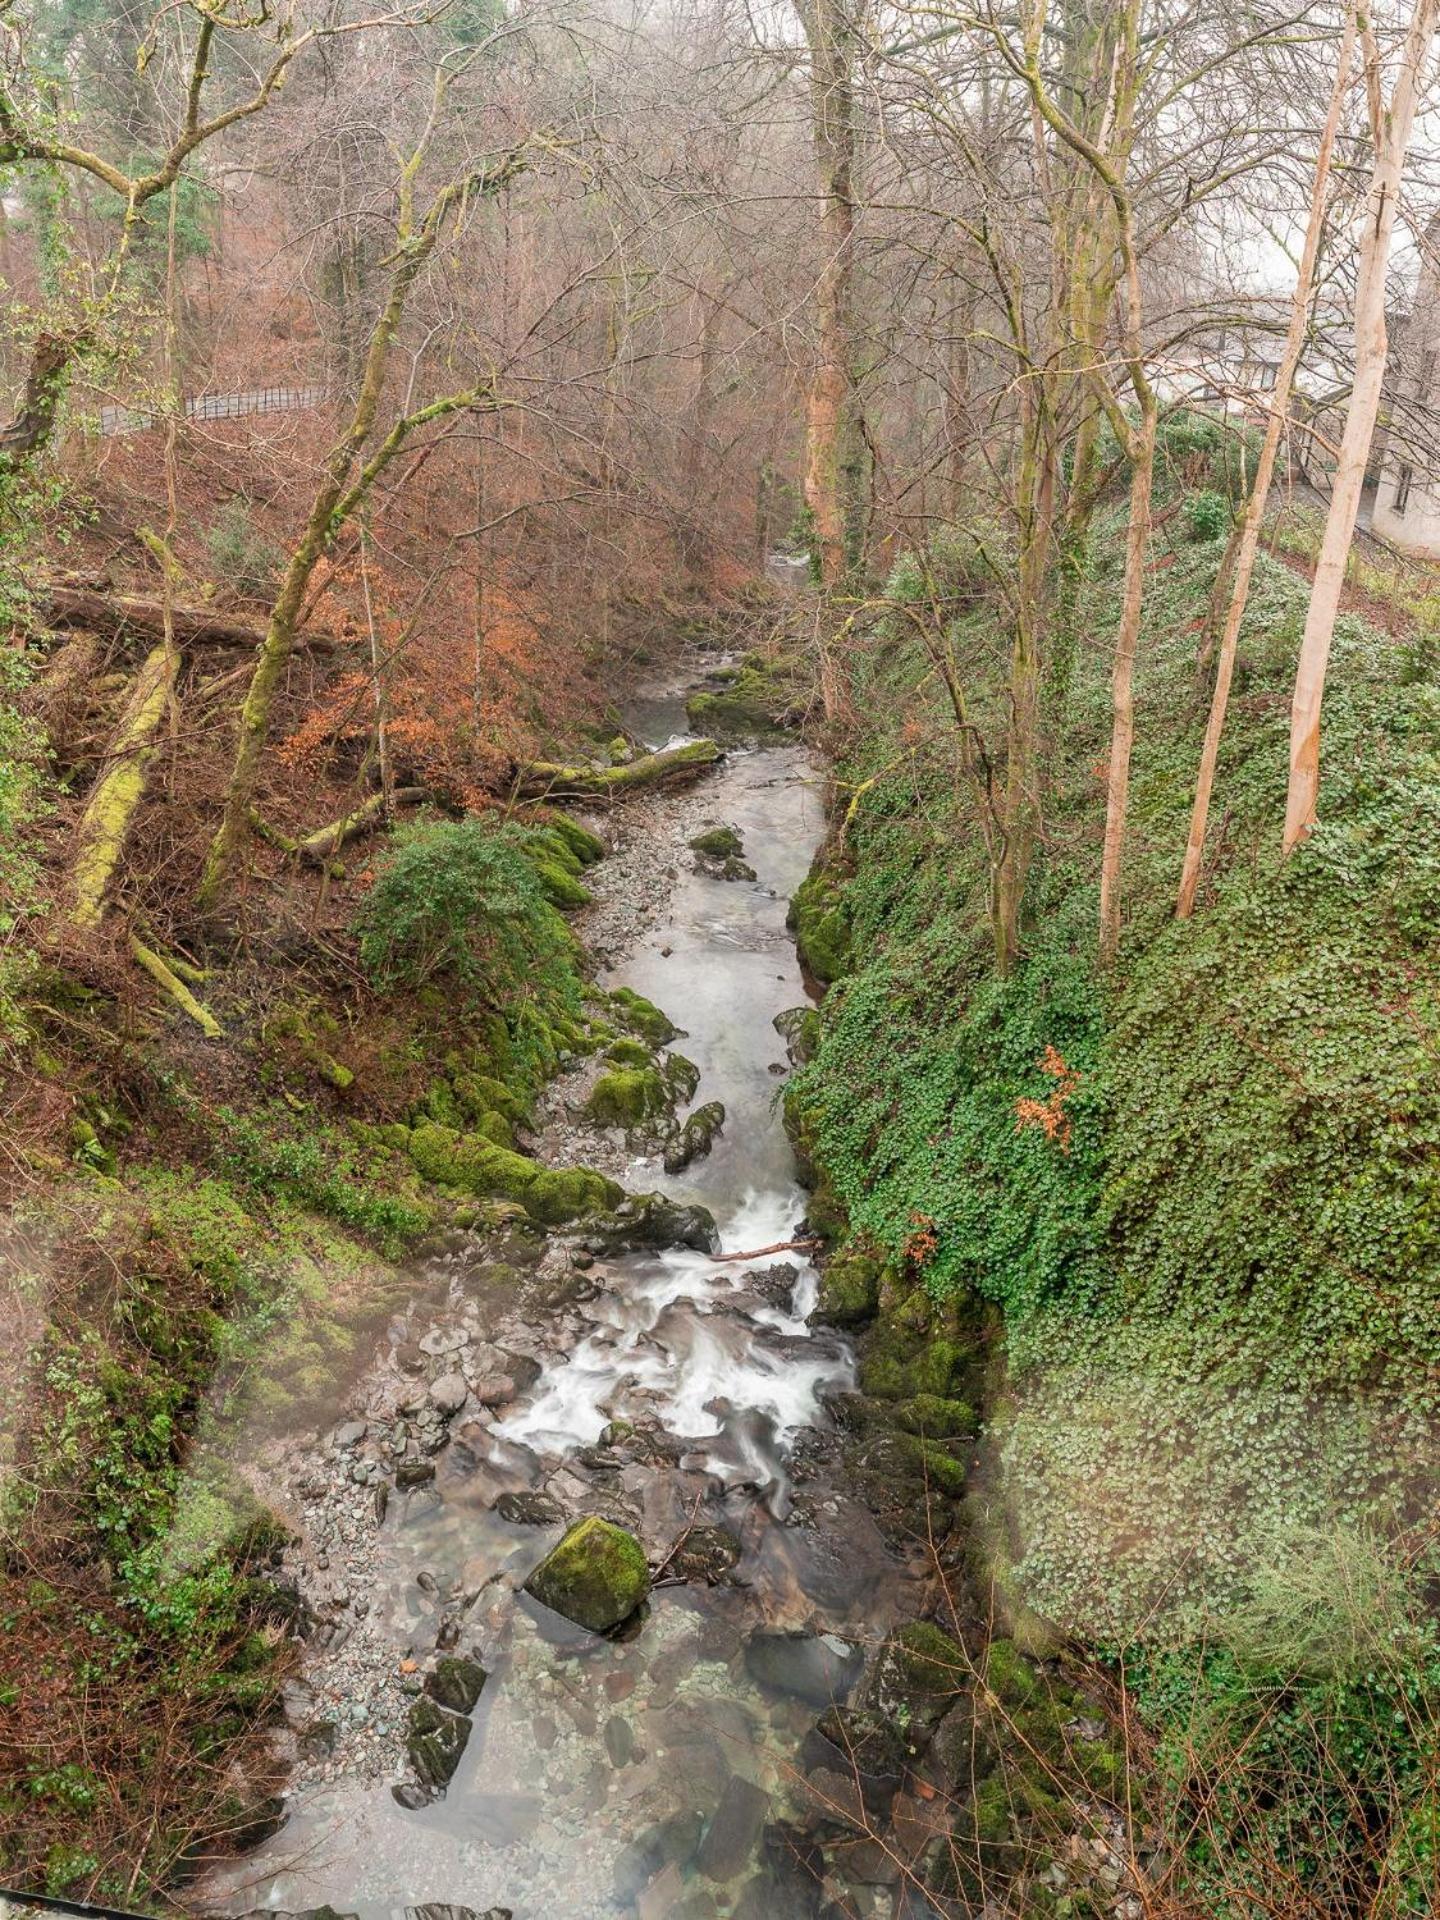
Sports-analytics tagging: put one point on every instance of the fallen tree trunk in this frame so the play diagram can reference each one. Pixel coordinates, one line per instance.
(116, 795)
(96, 610)
(317, 847)
(545, 779)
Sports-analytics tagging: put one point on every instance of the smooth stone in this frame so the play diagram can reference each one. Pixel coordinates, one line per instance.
(731, 1837)
(817, 1668)
(449, 1393)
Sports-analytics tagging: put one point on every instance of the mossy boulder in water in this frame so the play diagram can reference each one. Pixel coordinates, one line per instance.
(627, 1097)
(718, 843)
(695, 1139)
(799, 1028)
(597, 1575)
(642, 1016)
(752, 702)
(476, 1165)
(435, 1739)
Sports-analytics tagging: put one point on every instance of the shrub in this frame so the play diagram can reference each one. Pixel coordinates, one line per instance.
(240, 554)
(459, 898)
(1207, 515)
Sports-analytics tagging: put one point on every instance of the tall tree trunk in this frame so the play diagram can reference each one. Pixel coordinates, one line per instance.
(835, 440)
(1391, 127)
(1244, 557)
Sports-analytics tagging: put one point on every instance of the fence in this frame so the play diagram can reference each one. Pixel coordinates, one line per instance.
(215, 406)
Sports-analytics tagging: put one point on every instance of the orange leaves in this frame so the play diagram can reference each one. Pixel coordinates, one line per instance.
(921, 1241)
(1049, 1115)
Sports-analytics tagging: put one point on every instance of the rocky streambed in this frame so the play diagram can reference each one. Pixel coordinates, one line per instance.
(774, 1730)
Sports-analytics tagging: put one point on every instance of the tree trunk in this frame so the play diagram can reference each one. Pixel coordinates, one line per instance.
(545, 780)
(112, 803)
(22, 437)
(835, 441)
(97, 610)
(1392, 126)
(1249, 540)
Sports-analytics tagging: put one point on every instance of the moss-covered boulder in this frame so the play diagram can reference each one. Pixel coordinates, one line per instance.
(695, 1139)
(849, 1288)
(799, 1028)
(597, 1575)
(435, 1739)
(920, 1674)
(639, 1015)
(682, 1078)
(627, 1097)
(718, 843)
(630, 1053)
(456, 1682)
(586, 846)
(899, 1364)
(935, 1418)
(478, 1166)
(481, 1093)
(821, 926)
(753, 702)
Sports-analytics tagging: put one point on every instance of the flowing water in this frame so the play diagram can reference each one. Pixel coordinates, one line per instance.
(655, 1773)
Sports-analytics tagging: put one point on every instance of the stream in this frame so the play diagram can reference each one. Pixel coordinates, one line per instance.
(656, 1773)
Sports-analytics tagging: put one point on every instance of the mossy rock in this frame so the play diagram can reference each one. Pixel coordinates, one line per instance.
(456, 1683)
(642, 1016)
(481, 1093)
(750, 703)
(597, 1575)
(627, 1097)
(478, 1166)
(939, 1469)
(920, 1674)
(695, 1139)
(799, 1028)
(560, 888)
(935, 1418)
(435, 1739)
(718, 843)
(821, 926)
(849, 1288)
(494, 1126)
(586, 846)
(899, 1365)
(682, 1078)
(630, 1053)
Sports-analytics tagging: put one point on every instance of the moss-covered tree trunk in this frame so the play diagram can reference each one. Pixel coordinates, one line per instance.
(114, 799)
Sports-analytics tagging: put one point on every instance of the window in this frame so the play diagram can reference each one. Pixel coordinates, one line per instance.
(1402, 487)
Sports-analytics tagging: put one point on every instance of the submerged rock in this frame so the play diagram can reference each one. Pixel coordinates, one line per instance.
(706, 1554)
(526, 1508)
(818, 1668)
(731, 1838)
(695, 1139)
(596, 1576)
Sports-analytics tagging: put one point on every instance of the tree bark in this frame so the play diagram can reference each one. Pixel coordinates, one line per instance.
(835, 441)
(544, 779)
(1244, 558)
(1392, 125)
(31, 428)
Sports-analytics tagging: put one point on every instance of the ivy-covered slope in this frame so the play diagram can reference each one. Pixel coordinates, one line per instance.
(1205, 1194)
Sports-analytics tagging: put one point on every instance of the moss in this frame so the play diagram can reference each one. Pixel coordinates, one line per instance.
(923, 1661)
(597, 1575)
(682, 1078)
(849, 1288)
(821, 926)
(642, 1016)
(494, 1126)
(751, 703)
(718, 843)
(935, 1418)
(630, 1053)
(560, 888)
(586, 846)
(627, 1097)
(481, 1093)
(899, 1365)
(479, 1166)
(937, 1468)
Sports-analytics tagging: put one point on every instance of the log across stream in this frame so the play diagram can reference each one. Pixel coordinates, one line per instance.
(657, 1773)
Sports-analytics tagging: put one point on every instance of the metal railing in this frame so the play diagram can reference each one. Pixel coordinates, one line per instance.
(215, 406)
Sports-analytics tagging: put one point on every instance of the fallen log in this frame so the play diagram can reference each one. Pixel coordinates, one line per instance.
(317, 847)
(545, 779)
(115, 798)
(99, 610)
(162, 974)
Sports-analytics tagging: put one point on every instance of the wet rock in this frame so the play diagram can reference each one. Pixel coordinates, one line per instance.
(456, 1683)
(524, 1508)
(706, 1554)
(920, 1674)
(651, 1221)
(414, 1473)
(731, 1837)
(496, 1390)
(864, 1748)
(619, 1740)
(774, 1285)
(718, 843)
(411, 1797)
(435, 1739)
(695, 1138)
(596, 1576)
(448, 1394)
(799, 1028)
(303, 1913)
(818, 1668)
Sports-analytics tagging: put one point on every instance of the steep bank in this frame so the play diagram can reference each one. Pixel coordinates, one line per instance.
(1195, 1202)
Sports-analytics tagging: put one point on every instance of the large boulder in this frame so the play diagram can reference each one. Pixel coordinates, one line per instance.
(651, 1222)
(818, 1668)
(695, 1139)
(597, 1575)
